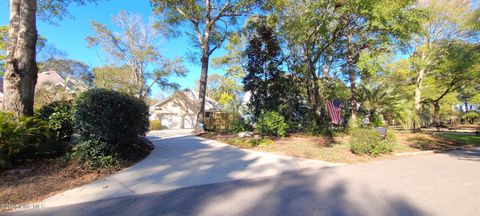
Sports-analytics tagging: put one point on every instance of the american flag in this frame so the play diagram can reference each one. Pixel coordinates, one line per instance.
(334, 111)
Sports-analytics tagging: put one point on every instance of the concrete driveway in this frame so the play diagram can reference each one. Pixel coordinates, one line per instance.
(187, 175)
(182, 160)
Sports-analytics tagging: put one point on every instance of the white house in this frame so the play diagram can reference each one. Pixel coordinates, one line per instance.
(180, 109)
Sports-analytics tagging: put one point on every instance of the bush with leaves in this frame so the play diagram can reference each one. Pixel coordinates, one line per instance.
(60, 118)
(376, 120)
(94, 154)
(111, 123)
(155, 125)
(369, 142)
(273, 124)
(240, 125)
(470, 117)
(25, 138)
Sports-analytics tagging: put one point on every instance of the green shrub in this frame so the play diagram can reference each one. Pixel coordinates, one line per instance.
(240, 125)
(114, 120)
(155, 125)
(470, 117)
(376, 120)
(10, 139)
(273, 124)
(94, 154)
(354, 123)
(370, 142)
(60, 118)
(25, 138)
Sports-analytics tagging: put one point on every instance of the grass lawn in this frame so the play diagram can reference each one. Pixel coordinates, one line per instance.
(435, 141)
(462, 138)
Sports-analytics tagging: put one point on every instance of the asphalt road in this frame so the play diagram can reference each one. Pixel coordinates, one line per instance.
(437, 184)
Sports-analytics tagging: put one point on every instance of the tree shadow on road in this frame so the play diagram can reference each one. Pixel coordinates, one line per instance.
(472, 154)
(287, 194)
(314, 191)
(291, 193)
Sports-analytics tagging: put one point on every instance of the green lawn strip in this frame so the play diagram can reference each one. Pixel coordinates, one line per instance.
(462, 138)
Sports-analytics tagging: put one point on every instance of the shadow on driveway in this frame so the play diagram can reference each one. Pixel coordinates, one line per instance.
(185, 161)
(291, 193)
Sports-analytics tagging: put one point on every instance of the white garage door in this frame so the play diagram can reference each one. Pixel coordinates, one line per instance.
(171, 121)
(188, 122)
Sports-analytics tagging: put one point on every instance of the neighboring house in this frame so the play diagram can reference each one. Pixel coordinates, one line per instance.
(51, 79)
(53, 87)
(180, 109)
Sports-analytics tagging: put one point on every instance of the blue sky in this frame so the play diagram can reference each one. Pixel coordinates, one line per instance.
(69, 34)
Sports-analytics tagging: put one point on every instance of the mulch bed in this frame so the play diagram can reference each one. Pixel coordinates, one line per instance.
(34, 182)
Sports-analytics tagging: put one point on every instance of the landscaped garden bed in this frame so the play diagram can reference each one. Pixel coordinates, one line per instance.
(336, 148)
(67, 144)
(33, 182)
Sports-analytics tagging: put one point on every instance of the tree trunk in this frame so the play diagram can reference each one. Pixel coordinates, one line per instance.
(21, 67)
(200, 123)
(353, 90)
(316, 94)
(418, 90)
(418, 98)
(436, 113)
(353, 87)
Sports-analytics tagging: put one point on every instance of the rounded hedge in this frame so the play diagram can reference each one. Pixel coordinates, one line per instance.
(117, 119)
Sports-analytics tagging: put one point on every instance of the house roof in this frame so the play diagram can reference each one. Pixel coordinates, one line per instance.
(210, 104)
(44, 78)
(49, 78)
(52, 78)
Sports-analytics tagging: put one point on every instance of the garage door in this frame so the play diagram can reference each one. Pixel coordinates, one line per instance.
(188, 122)
(171, 121)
